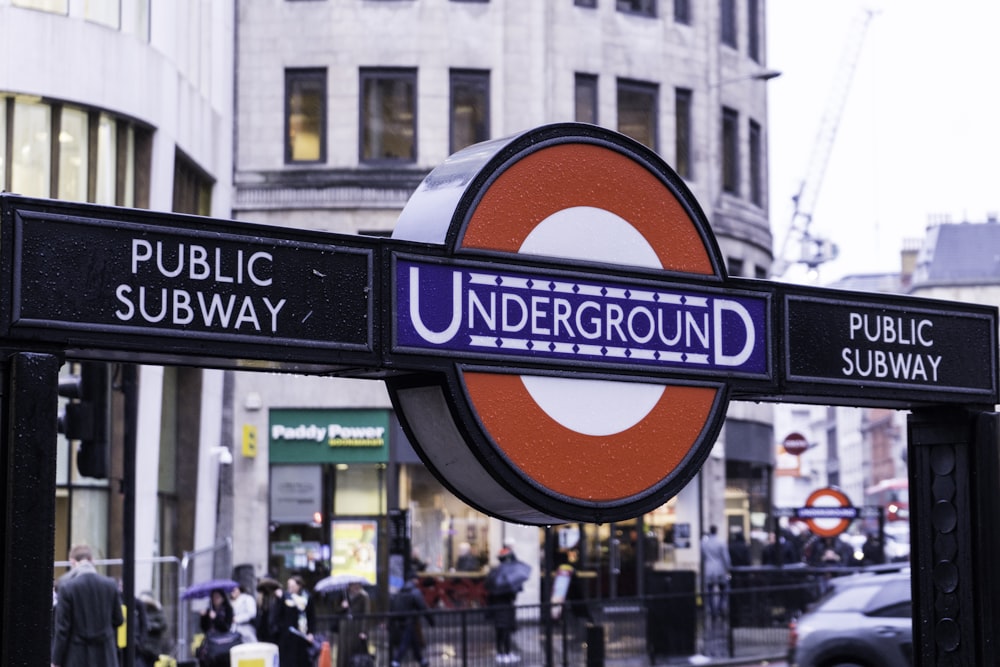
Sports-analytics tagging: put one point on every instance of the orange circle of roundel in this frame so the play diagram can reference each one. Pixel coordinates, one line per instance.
(580, 174)
(841, 499)
(590, 468)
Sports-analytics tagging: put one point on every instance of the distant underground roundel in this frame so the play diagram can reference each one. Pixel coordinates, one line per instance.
(580, 444)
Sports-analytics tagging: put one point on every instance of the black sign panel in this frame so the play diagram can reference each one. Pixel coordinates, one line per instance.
(76, 277)
(891, 348)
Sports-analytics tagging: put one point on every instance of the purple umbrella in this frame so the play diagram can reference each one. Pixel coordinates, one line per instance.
(205, 588)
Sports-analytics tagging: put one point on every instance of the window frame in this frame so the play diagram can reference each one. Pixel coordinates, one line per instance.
(473, 78)
(753, 30)
(305, 76)
(377, 74)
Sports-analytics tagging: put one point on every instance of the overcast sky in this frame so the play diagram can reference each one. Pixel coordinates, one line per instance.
(920, 132)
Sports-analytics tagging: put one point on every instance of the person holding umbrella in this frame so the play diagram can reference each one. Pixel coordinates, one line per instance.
(503, 583)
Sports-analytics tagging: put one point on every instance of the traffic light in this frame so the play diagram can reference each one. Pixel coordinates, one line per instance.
(87, 418)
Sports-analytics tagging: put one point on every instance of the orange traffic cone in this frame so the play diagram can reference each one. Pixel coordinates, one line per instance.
(325, 659)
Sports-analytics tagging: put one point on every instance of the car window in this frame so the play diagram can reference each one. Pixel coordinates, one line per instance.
(898, 610)
(851, 598)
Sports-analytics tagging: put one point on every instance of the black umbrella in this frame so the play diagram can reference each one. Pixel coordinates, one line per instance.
(508, 577)
(205, 588)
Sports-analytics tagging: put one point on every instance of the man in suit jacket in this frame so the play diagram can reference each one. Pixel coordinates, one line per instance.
(88, 610)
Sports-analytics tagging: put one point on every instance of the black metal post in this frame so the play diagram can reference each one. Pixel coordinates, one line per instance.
(129, 384)
(547, 566)
(953, 469)
(28, 431)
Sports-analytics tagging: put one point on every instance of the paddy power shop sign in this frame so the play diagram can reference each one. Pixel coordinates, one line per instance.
(328, 436)
(556, 328)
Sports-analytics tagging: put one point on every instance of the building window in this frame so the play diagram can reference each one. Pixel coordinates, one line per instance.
(30, 166)
(682, 11)
(586, 98)
(74, 136)
(192, 187)
(728, 22)
(730, 151)
(682, 132)
(735, 266)
(753, 31)
(756, 165)
(585, 3)
(3, 143)
(637, 111)
(305, 115)
(641, 7)
(470, 108)
(105, 12)
(388, 115)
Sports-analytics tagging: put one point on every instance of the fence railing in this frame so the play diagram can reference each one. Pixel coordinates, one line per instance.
(622, 631)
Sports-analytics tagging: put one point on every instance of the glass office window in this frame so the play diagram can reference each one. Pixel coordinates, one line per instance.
(682, 132)
(54, 6)
(682, 11)
(105, 12)
(470, 108)
(586, 98)
(32, 149)
(73, 154)
(388, 115)
(637, 111)
(305, 115)
(753, 30)
(730, 151)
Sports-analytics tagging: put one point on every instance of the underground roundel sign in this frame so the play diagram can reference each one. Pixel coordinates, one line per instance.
(568, 311)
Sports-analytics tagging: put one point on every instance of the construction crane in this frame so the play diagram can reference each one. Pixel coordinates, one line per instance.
(814, 250)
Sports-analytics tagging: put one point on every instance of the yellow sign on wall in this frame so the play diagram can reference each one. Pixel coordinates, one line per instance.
(249, 441)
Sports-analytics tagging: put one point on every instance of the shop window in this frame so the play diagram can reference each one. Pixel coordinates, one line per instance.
(637, 111)
(359, 489)
(470, 108)
(586, 98)
(388, 116)
(682, 132)
(730, 152)
(305, 115)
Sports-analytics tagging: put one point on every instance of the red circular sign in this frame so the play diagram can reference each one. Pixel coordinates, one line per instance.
(828, 497)
(795, 443)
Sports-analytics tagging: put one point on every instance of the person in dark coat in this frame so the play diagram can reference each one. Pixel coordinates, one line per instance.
(352, 637)
(218, 617)
(153, 644)
(293, 620)
(405, 632)
(88, 610)
(500, 600)
(739, 552)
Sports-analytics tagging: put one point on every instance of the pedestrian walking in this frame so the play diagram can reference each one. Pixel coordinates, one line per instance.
(715, 570)
(405, 631)
(352, 639)
(503, 583)
(294, 618)
(88, 610)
